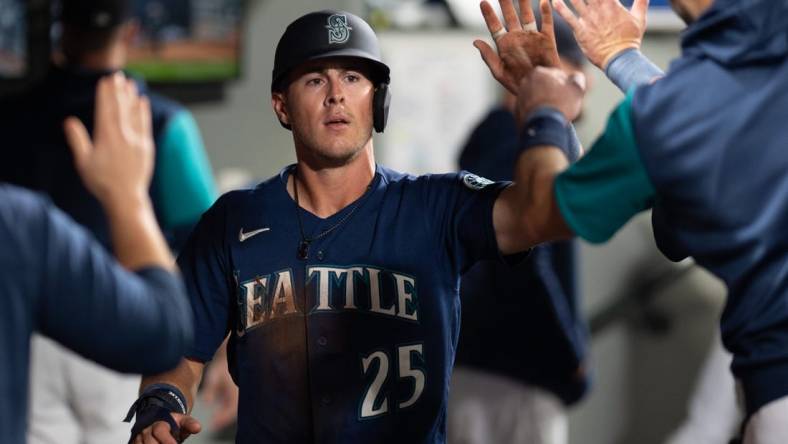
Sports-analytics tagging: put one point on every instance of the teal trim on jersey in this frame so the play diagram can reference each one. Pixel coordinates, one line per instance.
(604, 189)
(187, 186)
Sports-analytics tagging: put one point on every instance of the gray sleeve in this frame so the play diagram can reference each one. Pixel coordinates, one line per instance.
(136, 322)
(630, 68)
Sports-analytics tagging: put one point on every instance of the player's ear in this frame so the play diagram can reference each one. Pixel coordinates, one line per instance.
(279, 103)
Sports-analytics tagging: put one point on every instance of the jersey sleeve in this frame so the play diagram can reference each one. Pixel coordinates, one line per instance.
(460, 211)
(206, 273)
(599, 193)
(131, 322)
(185, 186)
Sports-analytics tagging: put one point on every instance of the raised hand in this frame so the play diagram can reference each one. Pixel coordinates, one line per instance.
(520, 45)
(118, 162)
(604, 28)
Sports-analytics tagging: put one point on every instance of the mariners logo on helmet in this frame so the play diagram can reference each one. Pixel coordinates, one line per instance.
(338, 29)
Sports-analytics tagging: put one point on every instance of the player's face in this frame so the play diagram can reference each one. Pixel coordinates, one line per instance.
(329, 107)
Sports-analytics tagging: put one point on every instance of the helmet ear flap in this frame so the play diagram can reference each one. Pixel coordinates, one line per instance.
(380, 107)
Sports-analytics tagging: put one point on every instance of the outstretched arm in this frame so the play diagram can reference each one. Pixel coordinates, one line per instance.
(527, 213)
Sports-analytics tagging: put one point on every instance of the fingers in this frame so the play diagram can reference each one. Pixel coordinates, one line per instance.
(566, 14)
(148, 436)
(189, 426)
(128, 103)
(547, 18)
(161, 434)
(145, 121)
(78, 140)
(104, 109)
(526, 12)
(510, 15)
(490, 58)
(490, 17)
(639, 8)
(579, 6)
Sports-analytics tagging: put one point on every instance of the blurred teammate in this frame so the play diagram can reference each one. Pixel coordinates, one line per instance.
(702, 147)
(73, 399)
(56, 279)
(498, 396)
(337, 279)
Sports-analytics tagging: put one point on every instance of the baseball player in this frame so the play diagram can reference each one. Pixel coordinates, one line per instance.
(337, 279)
(83, 402)
(58, 280)
(703, 147)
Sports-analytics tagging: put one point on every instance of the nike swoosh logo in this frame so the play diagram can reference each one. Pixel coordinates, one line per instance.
(243, 236)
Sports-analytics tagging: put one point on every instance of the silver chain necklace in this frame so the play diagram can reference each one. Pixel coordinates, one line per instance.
(303, 246)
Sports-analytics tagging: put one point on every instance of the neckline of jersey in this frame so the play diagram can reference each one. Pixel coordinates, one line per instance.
(316, 220)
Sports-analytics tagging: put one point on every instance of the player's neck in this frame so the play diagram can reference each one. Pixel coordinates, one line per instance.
(326, 191)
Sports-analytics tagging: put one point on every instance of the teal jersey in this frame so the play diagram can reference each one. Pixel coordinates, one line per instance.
(603, 190)
(186, 187)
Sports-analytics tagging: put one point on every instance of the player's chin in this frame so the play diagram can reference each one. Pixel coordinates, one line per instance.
(339, 155)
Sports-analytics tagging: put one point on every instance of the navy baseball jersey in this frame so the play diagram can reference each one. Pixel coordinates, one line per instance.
(355, 343)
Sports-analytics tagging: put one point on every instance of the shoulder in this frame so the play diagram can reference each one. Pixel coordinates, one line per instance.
(677, 116)
(462, 180)
(165, 111)
(453, 180)
(692, 88)
(163, 106)
(21, 204)
(239, 199)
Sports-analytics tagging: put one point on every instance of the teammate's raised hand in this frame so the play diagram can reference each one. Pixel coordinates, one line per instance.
(118, 162)
(520, 45)
(159, 432)
(604, 28)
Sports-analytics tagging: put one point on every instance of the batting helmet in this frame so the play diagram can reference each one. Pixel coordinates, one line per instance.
(333, 33)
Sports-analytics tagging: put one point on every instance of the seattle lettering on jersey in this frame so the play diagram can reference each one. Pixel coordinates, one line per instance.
(354, 288)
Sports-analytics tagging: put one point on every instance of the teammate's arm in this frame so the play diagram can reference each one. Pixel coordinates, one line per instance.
(550, 199)
(526, 213)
